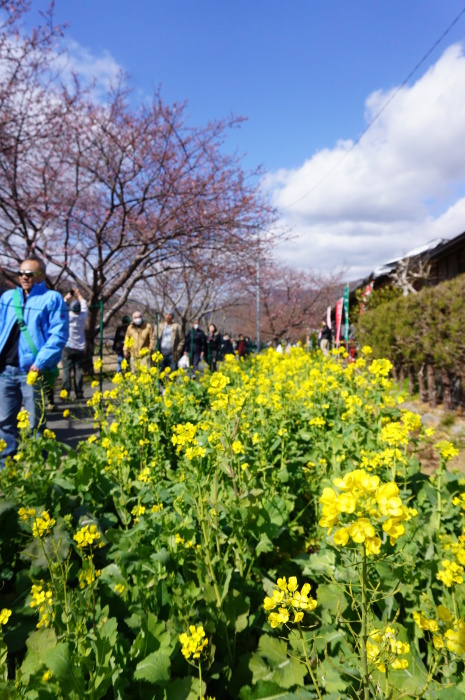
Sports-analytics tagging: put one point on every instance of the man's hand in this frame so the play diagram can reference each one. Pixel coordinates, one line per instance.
(35, 369)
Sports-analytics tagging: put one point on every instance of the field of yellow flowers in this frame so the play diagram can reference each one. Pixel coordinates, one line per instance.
(262, 532)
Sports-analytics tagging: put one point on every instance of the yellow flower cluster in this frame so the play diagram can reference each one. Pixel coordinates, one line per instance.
(446, 450)
(386, 649)
(363, 504)
(373, 460)
(380, 368)
(32, 377)
(286, 597)
(4, 616)
(42, 525)
(88, 575)
(43, 600)
(23, 420)
(451, 573)
(2, 445)
(87, 536)
(49, 434)
(193, 642)
(395, 433)
(183, 434)
(448, 631)
(26, 513)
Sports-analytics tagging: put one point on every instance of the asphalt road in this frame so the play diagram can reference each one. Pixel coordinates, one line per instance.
(79, 425)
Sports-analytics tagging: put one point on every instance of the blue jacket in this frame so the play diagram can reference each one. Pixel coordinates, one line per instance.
(47, 319)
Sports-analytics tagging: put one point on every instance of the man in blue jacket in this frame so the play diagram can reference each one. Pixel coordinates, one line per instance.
(45, 316)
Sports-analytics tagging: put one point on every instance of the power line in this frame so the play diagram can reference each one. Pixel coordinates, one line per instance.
(379, 113)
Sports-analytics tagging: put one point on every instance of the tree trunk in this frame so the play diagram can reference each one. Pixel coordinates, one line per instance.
(422, 385)
(401, 376)
(411, 381)
(395, 375)
(447, 395)
(432, 397)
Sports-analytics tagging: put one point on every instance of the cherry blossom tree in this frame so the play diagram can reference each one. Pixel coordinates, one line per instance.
(111, 195)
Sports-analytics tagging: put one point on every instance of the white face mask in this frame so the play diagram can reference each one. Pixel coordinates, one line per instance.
(196, 325)
(137, 321)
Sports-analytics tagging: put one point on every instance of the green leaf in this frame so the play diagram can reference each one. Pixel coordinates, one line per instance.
(259, 668)
(332, 598)
(155, 668)
(266, 690)
(286, 671)
(39, 644)
(69, 675)
(236, 609)
(104, 645)
(264, 545)
(184, 689)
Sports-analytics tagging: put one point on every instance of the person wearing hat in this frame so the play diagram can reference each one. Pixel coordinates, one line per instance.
(118, 341)
(74, 351)
(170, 342)
(33, 331)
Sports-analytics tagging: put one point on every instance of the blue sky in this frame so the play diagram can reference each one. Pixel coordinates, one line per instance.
(306, 74)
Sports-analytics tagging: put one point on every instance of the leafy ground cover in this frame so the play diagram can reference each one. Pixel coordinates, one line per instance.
(265, 532)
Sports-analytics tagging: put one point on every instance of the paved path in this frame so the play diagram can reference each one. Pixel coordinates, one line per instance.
(80, 424)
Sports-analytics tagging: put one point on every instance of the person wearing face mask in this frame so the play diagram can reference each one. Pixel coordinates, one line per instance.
(141, 334)
(74, 352)
(195, 344)
(34, 324)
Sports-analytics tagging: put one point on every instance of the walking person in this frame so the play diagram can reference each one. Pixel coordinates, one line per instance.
(213, 347)
(195, 344)
(227, 347)
(242, 347)
(325, 337)
(118, 341)
(170, 342)
(74, 352)
(34, 323)
(139, 333)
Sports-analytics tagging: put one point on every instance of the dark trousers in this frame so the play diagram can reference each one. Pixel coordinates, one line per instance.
(72, 361)
(168, 361)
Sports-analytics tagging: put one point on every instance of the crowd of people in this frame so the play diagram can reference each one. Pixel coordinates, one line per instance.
(39, 328)
(177, 349)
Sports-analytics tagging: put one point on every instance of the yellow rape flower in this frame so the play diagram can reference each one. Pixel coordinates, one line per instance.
(87, 536)
(42, 525)
(23, 420)
(446, 450)
(194, 642)
(286, 597)
(4, 616)
(32, 377)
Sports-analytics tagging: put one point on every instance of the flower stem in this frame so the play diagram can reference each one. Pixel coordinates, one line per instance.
(439, 496)
(307, 661)
(363, 645)
(200, 681)
(430, 677)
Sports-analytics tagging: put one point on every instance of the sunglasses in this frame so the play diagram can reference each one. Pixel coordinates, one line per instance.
(28, 273)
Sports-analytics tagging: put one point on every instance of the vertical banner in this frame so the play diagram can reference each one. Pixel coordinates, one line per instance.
(338, 321)
(346, 315)
(328, 317)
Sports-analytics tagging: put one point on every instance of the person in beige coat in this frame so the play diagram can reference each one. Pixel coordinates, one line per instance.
(170, 342)
(140, 333)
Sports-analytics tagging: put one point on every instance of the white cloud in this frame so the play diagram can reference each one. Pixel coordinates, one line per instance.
(394, 191)
(99, 72)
